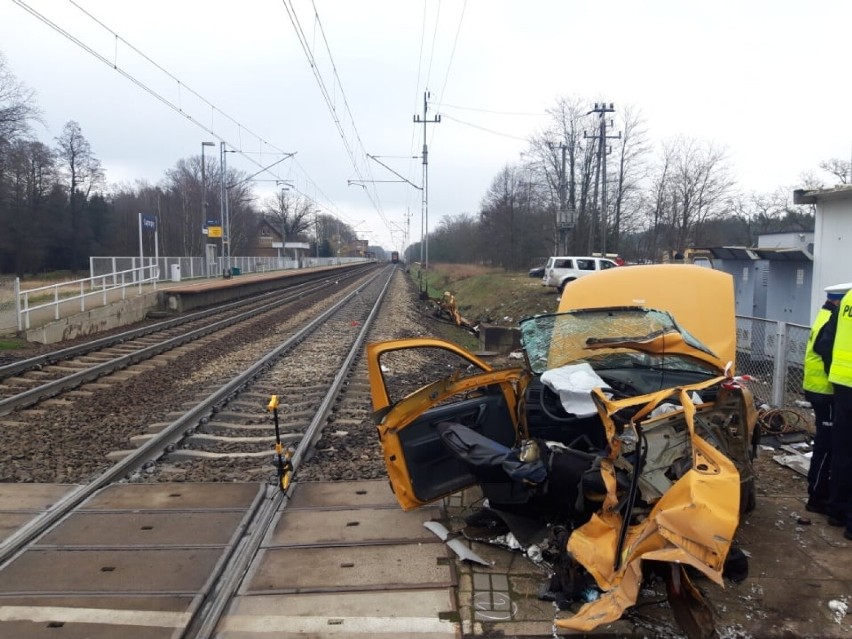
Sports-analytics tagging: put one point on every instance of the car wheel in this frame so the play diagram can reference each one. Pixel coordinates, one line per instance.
(562, 285)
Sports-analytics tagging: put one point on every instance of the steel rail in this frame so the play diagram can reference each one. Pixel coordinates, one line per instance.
(50, 389)
(210, 615)
(52, 357)
(169, 436)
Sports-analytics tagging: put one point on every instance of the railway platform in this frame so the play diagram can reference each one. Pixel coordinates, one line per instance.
(65, 321)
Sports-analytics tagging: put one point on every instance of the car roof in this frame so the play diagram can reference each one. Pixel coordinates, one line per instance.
(700, 299)
(579, 257)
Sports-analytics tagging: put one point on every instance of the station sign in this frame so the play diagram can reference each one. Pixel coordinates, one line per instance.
(214, 231)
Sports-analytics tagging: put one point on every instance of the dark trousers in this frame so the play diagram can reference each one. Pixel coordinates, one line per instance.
(840, 500)
(818, 474)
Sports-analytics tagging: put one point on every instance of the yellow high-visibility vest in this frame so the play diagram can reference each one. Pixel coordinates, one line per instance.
(815, 378)
(841, 355)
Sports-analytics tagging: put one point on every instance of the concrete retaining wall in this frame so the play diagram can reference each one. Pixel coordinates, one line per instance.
(499, 339)
(104, 318)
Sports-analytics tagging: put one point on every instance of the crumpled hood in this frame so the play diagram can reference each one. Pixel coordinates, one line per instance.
(700, 299)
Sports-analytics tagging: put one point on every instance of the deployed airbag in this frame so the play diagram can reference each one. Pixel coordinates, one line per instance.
(574, 383)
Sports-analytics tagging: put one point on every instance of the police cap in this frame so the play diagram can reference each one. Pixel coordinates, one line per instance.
(837, 291)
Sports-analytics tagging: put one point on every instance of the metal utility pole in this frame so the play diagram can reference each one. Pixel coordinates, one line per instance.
(424, 245)
(566, 215)
(226, 227)
(204, 206)
(602, 109)
(405, 243)
(561, 221)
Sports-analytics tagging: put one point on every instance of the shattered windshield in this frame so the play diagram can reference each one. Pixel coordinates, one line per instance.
(607, 338)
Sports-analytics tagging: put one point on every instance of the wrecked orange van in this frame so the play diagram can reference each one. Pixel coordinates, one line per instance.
(624, 443)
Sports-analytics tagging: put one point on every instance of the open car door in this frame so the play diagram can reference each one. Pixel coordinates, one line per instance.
(410, 420)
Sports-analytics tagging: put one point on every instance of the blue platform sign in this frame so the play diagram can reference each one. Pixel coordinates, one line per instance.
(149, 222)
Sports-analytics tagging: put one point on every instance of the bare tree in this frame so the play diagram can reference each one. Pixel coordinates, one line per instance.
(660, 199)
(242, 214)
(565, 132)
(180, 209)
(456, 239)
(761, 213)
(499, 217)
(810, 181)
(631, 171)
(84, 173)
(17, 105)
(83, 169)
(293, 216)
(838, 168)
(700, 186)
(26, 227)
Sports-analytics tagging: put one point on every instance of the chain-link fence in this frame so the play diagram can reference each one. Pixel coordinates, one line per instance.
(772, 354)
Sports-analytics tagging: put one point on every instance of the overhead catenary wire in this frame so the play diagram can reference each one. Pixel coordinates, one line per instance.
(181, 86)
(542, 114)
(482, 128)
(434, 38)
(309, 54)
(450, 63)
(275, 150)
(413, 141)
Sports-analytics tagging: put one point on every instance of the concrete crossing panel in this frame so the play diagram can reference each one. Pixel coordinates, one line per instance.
(363, 525)
(355, 494)
(384, 567)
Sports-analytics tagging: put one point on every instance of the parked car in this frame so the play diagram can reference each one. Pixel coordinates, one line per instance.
(560, 270)
(626, 436)
(538, 271)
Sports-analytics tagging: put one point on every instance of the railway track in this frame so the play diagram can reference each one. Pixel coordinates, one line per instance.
(199, 541)
(27, 382)
(137, 558)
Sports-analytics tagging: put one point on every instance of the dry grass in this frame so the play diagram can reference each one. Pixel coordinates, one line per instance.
(7, 287)
(463, 271)
(491, 295)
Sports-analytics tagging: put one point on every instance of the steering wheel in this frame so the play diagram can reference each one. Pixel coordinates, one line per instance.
(552, 398)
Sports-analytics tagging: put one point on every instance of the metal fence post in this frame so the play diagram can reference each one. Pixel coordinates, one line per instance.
(779, 376)
(18, 303)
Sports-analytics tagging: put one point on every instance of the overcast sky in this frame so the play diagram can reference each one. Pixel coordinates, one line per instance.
(768, 80)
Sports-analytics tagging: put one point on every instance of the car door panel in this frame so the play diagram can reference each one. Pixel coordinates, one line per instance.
(420, 467)
(434, 470)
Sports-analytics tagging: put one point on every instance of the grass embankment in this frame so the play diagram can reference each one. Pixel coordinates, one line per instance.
(31, 282)
(488, 295)
(12, 343)
(7, 302)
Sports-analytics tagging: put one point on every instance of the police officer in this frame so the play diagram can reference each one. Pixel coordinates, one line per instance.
(819, 392)
(834, 344)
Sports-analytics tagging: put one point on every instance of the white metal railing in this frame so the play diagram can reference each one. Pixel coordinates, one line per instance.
(198, 267)
(98, 289)
(86, 289)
